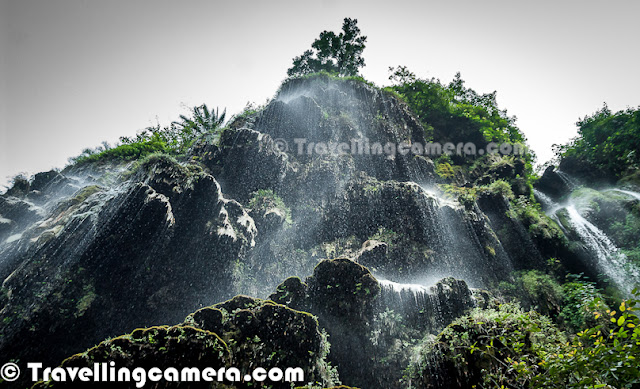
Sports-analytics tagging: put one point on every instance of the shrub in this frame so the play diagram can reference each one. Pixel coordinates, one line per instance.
(266, 199)
(509, 348)
(582, 300)
(598, 357)
(500, 187)
(173, 139)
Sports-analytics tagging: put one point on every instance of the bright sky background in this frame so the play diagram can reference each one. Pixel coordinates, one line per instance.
(74, 73)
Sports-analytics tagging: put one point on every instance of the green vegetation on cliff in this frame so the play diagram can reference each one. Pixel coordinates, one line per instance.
(454, 113)
(173, 139)
(608, 140)
(506, 347)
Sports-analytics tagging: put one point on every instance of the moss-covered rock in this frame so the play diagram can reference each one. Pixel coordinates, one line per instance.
(156, 347)
(262, 333)
(109, 260)
(243, 332)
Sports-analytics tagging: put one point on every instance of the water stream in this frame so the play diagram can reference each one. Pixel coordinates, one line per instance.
(611, 262)
(635, 195)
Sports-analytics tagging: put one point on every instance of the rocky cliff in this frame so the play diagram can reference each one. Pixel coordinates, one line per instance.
(362, 250)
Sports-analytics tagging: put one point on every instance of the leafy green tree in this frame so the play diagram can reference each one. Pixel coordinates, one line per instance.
(609, 140)
(339, 54)
(454, 113)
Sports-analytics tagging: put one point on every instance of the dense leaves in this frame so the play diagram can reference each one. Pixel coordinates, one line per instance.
(173, 139)
(453, 112)
(333, 53)
(609, 140)
(510, 348)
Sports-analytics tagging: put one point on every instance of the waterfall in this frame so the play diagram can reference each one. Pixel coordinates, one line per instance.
(610, 261)
(419, 305)
(548, 205)
(462, 242)
(570, 182)
(635, 195)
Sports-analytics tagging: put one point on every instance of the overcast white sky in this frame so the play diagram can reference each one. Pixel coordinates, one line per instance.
(74, 73)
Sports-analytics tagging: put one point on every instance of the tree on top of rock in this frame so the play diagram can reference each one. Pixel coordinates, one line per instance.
(339, 54)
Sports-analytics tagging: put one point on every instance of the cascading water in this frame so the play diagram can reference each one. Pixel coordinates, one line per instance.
(548, 205)
(568, 180)
(610, 261)
(423, 307)
(635, 195)
(464, 246)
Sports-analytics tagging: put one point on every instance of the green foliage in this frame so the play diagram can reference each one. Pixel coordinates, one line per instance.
(266, 199)
(500, 187)
(339, 54)
(465, 196)
(457, 113)
(582, 299)
(173, 139)
(509, 348)
(599, 356)
(536, 290)
(124, 152)
(489, 348)
(445, 170)
(626, 234)
(608, 140)
(202, 121)
(540, 226)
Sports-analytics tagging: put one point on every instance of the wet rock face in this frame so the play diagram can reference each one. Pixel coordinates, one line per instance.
(168, 238)
(426, 234)
(586, 172)
(373, 254)
(16, 215)
(342, 294)
(553, 184)
(251, 161)
(513, 236)
(341, 288)
(338, 288)
(352, 306)
(370, 204)
(122, 258)
(306, 112)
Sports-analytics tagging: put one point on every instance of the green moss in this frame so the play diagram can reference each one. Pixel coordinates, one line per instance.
(445, 170)
(266, 199)
(84, 193)
(386, 235)
(539, 225)
(500, 187)
(86, 300)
